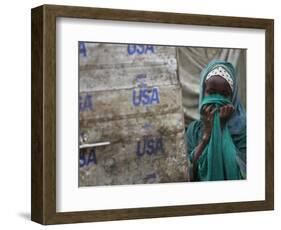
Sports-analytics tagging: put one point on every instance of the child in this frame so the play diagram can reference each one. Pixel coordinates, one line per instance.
(217, 142)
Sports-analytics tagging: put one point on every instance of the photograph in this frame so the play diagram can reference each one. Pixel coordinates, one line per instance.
(153, 114)
(145, 114)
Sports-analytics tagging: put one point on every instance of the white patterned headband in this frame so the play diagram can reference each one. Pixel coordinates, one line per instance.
(222, 72)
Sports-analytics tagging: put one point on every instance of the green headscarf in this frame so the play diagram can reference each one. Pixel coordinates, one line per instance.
(224, 158)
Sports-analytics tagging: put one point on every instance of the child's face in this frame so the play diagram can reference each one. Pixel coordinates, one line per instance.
(217, 85)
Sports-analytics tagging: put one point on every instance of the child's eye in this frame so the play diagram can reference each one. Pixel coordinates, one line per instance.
(225, 94)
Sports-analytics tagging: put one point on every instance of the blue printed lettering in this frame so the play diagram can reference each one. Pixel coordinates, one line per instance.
(149, 48)
(140, 49)
(150, 146)
(85, 103)
(136, 101)
(86, 159)
(80, 103)
(139, 153)
(131, 49)
(159, 144)
(140, 79)
(92, 157)
(155, 96)
(82, 49)
(146, 96)
(151, 176)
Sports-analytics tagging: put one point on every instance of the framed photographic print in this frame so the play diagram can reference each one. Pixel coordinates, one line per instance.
(139, 114)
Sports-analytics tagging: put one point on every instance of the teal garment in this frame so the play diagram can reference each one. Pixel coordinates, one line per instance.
(227, 159)
(218, 160)
(194, 134)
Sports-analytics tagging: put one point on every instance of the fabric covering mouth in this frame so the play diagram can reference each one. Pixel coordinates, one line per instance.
(214, 99)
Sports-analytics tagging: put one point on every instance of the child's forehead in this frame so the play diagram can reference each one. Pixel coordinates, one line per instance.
(216, 81)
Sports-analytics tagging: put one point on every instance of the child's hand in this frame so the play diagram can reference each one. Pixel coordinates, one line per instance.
(208, 118)
(225, 112)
